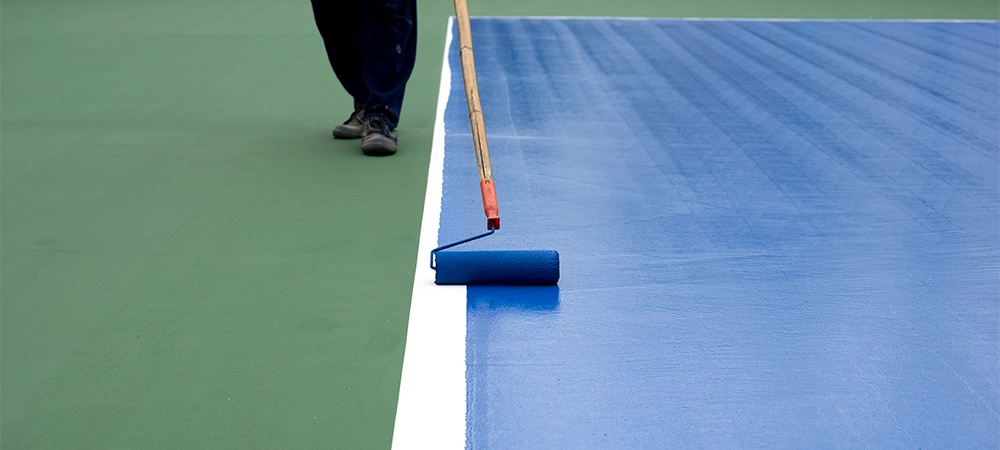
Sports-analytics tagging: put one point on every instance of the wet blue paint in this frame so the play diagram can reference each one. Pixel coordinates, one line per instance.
(776, 235)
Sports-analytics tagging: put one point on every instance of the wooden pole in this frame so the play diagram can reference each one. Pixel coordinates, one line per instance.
(486, 183)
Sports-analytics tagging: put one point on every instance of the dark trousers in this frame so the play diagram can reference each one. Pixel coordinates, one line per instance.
(372, 45)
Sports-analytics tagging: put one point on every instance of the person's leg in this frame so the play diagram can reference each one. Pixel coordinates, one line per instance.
(389, 49)
(342, 25)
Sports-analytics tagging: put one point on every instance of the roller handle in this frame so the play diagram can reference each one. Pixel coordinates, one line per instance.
(486, 184)
(490, 204)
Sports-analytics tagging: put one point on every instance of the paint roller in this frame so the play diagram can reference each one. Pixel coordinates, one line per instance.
(503, 267)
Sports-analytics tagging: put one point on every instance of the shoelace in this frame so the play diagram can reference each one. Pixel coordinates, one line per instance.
(383, 128)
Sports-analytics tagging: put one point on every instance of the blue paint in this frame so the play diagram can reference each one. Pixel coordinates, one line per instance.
(776, 235)
(493, 300)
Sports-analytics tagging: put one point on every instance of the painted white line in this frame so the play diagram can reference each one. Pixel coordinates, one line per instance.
(431, 409)
(734, 19)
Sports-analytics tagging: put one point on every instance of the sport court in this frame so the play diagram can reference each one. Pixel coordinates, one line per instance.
(777, 234)
(773, 234)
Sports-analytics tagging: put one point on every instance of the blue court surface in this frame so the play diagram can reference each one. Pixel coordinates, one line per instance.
(773, 234)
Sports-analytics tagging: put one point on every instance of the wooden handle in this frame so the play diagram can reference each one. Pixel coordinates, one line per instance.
(476, 116)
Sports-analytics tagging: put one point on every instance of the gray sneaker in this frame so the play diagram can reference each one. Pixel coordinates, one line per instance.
(352, 128)
(377, 139)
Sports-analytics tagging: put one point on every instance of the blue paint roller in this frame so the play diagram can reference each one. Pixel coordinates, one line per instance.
(508, 267)
(498, 267)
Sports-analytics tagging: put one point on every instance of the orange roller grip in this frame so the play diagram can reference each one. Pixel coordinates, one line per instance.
(490, 204)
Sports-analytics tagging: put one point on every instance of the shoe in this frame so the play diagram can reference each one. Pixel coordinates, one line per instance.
(352, 128)
(377, 139)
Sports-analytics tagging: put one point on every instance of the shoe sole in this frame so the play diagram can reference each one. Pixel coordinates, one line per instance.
(377, 150)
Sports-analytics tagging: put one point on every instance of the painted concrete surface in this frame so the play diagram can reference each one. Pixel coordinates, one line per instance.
(773, 234)
(187, 258)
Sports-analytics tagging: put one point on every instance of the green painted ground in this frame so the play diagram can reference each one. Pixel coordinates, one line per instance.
(187, 259)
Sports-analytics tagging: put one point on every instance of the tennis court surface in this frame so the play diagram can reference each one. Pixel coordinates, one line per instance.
(776, 234)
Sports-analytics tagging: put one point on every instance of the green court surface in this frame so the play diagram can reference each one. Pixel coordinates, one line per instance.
(187, 258)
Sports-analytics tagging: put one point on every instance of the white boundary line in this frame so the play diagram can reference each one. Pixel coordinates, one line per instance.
(431, 409)
(735, 19)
